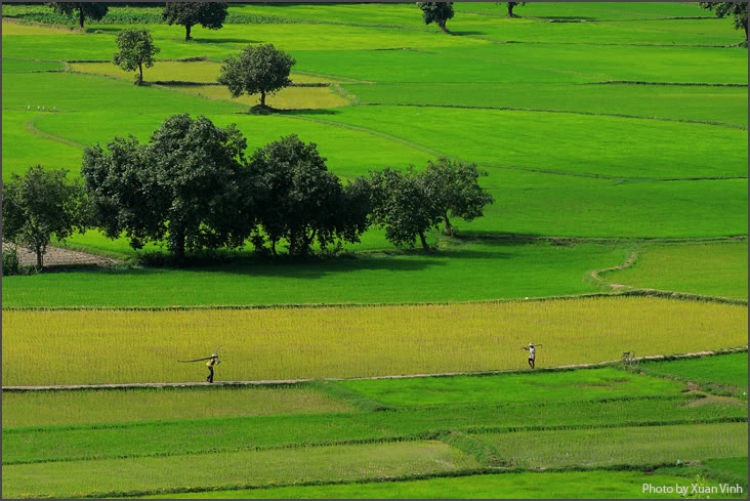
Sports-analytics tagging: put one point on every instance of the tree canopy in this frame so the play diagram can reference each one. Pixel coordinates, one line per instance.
(136, 50)
(453, 187)
(402, 205)
(39, 206)
(85, 10)
(259, 69)
(301, 201)
(437, 12)
(189, 186)
(210, 15)
(736, 9)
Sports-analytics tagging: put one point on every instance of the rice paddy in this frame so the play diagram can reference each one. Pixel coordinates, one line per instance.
(123, 346)
(607, 130)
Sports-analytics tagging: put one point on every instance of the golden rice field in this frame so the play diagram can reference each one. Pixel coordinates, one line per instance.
(192, 71)
(290, 98)
(86, 347)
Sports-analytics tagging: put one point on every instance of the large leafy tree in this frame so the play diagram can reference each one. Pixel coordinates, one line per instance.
(437, 12)
(82, 10)
(136, 51)
(402, 205)
(302, 202)
(736, 9)
(453, 188)
(210, 15)
(189, 186)
(511, 6)
(260, 69)
(39, 206)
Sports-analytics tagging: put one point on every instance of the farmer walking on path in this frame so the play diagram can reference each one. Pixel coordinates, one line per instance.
(532, 353)
(210, 364)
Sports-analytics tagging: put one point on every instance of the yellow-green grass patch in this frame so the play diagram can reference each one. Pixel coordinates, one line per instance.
(86, 347)
(184, 71)
(619, 446)
(108, 406)
(290, 98)
(225, 470)
(16, 29)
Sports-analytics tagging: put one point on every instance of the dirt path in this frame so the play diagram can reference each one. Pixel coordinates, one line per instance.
(57, 256)
(271, 382)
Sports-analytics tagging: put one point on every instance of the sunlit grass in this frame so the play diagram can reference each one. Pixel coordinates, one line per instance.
(50, 408)
(193, 71)
(262, 468)
(290, 98)
(615, 446)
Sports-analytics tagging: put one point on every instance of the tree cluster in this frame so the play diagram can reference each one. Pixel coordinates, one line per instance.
(409, 203)
(191, 188)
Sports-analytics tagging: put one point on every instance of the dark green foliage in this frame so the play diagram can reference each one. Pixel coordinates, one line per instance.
(511, 6)
(86, 10)
(736, 9)
(301, 201)
(259, 69)
(210, 15)
(402, 204)
(39, 206)
(437, 12)
(188, 186)
(10, 262)
(136, 50)
(454, 189)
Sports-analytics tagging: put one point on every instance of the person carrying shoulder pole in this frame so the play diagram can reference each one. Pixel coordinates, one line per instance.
(532, 353)
(210, 364)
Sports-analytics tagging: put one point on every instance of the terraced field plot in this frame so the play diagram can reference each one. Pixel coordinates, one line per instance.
(614, 136)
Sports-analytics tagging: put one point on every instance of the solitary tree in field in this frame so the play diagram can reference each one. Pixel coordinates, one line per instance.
(511, 6)
(437, 12)
(39, 206)
(136, 50)
(189, 186)
(454, 190)
(83, 10)
(402, 205)
(301, 202)
(260, 69)
(736, 9)
(210, 15)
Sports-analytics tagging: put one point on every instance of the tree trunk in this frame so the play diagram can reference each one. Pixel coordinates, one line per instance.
(424, 241)
(188, 27)
(448, 228)
(745, 26)
(309, 240)
(39, 258)
(273, 247)
(179, 244)
(140, 69)
(262, 98)
(81, 17)
(442, 27)
(510, 8)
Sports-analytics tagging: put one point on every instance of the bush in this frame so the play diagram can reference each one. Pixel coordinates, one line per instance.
(10, 262)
